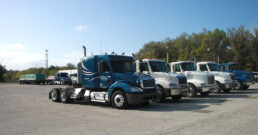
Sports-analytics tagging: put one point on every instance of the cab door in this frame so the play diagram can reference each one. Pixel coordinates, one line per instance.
(105, 76)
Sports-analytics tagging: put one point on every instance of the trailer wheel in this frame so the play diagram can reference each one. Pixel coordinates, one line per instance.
(119, 100)
(176, 98)
(64, 97)
(55, 96)
(192, 91)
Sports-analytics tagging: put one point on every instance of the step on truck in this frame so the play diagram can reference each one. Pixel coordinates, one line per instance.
(169, 84)
(244, 78)
(224, 81)
(109, 79)
(199, 82)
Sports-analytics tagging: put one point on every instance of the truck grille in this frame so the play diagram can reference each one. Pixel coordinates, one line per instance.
(233, 77)
(149, 83)
(211, 80)
(182, 80)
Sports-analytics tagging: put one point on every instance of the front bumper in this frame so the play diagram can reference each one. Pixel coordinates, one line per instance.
(207, 88)
(176, 91)
(141, 97)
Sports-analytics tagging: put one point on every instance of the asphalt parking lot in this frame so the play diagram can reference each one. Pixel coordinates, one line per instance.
(26, 110)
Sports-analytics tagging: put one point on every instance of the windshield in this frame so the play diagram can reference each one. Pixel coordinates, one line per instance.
(188, 67)
(234, 67)
(158, 66)
(122, 66)
(214, 67)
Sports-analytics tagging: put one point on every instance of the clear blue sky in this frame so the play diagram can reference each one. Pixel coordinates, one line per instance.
(29, 27)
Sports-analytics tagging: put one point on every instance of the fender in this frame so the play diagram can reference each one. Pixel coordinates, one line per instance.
(123, 85)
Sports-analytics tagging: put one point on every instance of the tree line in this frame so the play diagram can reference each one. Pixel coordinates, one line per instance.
(233, 45)
(14, 75)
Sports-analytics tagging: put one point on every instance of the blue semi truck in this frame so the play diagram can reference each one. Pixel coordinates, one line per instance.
(109, 79)
(244, 78)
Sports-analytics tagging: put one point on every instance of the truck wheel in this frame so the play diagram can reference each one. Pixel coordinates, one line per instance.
(226, 91)
(218, 88)
(192, 91)
(205, 93)
(176, 98)
(239, 85)
(161, 94)
(55, 95)
(119, 100)
(64, 97)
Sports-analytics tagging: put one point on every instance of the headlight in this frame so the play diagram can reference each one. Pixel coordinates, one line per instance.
(136, 89)
(172, 85)
(203, 84)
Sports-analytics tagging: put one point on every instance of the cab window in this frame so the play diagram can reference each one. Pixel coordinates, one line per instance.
(203, 67)
(177, 68)
(144, 66)
(105, 67)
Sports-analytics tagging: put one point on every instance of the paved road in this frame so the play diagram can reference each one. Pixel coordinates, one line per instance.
(26, 110)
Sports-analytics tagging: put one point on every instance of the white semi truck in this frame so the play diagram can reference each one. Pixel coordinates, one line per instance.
(169, 84)
(224, 81)
(199, 82)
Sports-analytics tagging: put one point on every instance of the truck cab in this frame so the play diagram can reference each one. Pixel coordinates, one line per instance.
(62, 78)
(109, 79)
(224, 81)
(199, 82)
(244, 78)
(169, 84)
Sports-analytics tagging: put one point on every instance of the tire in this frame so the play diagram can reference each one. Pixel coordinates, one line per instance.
(218, 88)
(55, 97)
(119, 100)
(176, 98)
(161, 94)
(246, 87)
(205, 93)
(192, 91)
(64, 97)
(226, 91)
(239, 85)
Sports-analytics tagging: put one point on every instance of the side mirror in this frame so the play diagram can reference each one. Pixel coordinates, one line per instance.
(100, 67)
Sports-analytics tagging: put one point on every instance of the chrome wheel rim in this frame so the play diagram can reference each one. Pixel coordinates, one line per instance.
(63, 96)
(54, 95)
(119, 100)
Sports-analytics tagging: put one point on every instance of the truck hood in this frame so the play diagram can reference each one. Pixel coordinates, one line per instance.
(131, 77)
(219, 73)
(171, 76)
(197, 75)
(243, 74)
